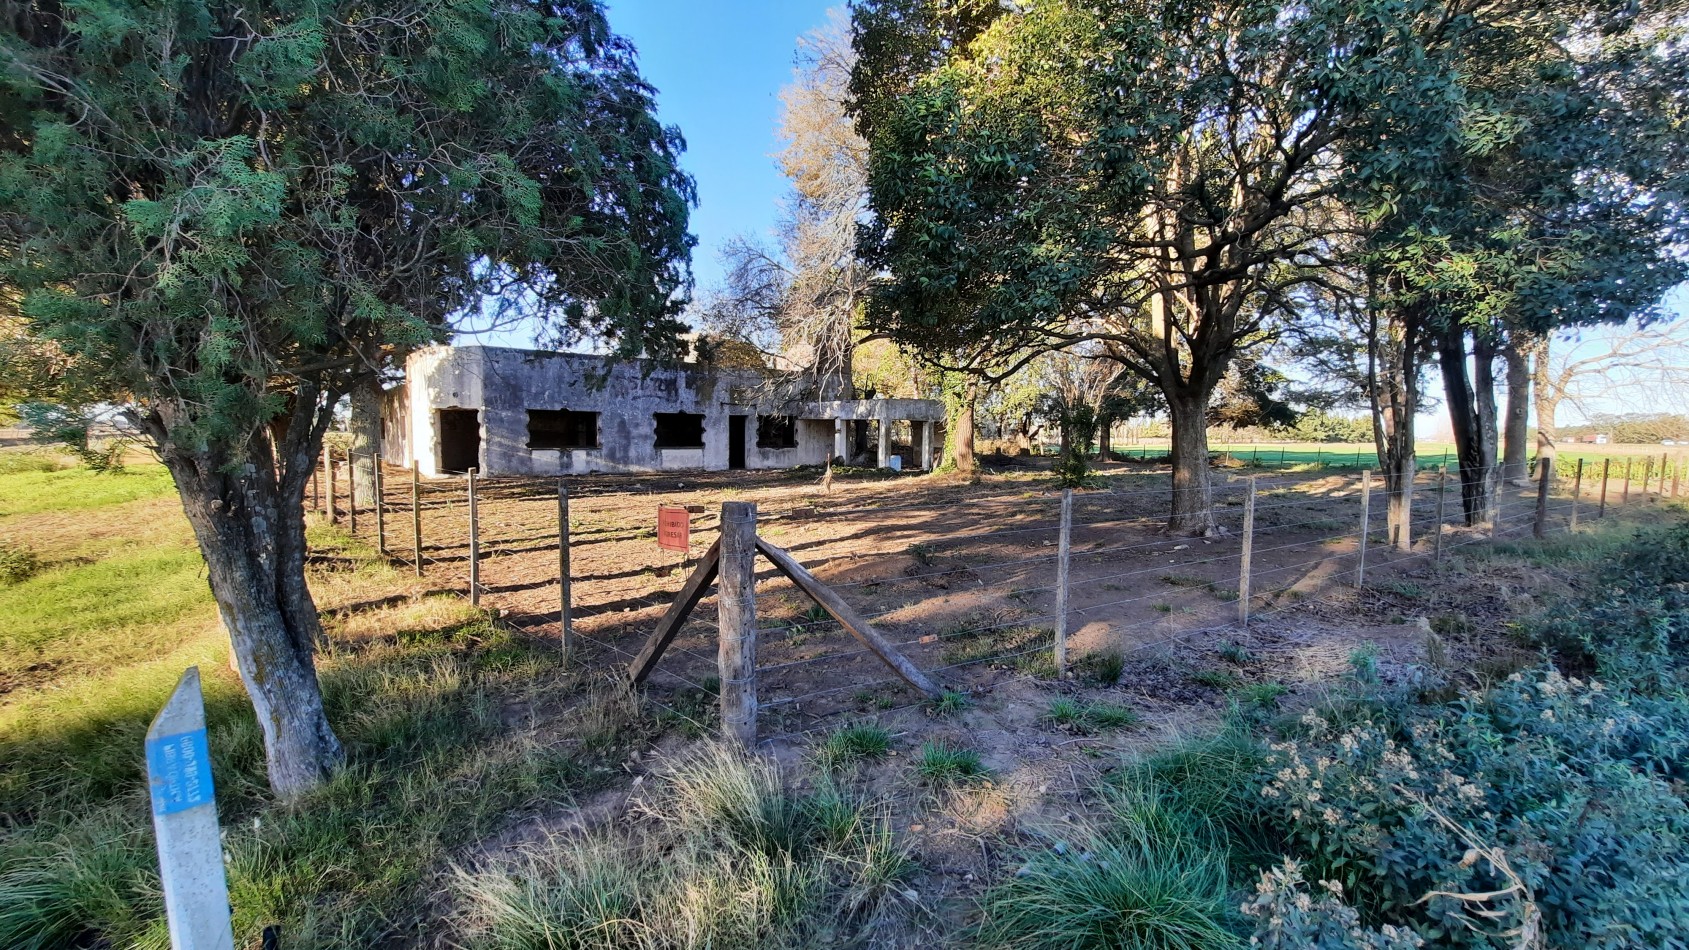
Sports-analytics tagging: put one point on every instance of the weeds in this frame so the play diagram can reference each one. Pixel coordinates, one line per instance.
(949, 703)
(1090, 716)
(942, 763)
(852, 744)
(1216, 679)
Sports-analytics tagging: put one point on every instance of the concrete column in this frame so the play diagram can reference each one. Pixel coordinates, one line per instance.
(926, 446)
(885, 442)
(841, 440)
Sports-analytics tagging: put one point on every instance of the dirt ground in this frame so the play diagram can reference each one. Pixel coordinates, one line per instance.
(961, 576)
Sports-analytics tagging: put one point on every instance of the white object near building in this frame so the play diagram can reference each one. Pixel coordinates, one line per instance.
(184, 819)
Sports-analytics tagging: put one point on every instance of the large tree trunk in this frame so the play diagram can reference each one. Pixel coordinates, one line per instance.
(1484, 404)
(1105, 439)
(1543, 398)
(248, 516)
(1193, 496)
(1473, 441)
(365, 424)
(1393, 368)
(962, 433)
(1515, 438)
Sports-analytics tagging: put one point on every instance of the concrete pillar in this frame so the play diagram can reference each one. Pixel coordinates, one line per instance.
(841, 440)
(926, 446)
(885, 442)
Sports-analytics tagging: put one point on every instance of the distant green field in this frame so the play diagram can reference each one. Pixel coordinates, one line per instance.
(1342, 455)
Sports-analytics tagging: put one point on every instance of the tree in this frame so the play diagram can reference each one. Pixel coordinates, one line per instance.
(805, 297)
(1159, 177)
(1611, 365)
(227, 218)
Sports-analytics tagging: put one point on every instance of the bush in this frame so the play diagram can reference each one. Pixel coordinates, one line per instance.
(1636, 632)
(17, 563)
(1570, 784)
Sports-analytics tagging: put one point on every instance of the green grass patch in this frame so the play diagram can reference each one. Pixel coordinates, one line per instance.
(79, 489)
(852, 744)
(943, 763)
(1085, 717)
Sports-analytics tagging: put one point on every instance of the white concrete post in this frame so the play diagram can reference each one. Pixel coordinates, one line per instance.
(926, 446)
(841, 445)
(184, 820)
(885, 442)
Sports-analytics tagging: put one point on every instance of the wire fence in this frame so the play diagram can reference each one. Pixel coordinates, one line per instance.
(972, 585)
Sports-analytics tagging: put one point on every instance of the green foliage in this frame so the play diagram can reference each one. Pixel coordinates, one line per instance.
(949, 703)
(728, 854)
(1086, 717)
(17, 563)
(1636, 630)
(1572, 783)
(943, 763)
(852, 744)
(1319, 425)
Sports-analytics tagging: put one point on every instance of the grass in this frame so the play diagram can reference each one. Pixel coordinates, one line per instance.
(851, 744)
(943, 763)
(725, 852)
(418, 693)
(1150, 875)
(1086, 717)
(949, 703)
(1216, 679)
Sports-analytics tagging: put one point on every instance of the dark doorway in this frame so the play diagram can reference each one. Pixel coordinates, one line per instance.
(460, 440)
(736, 441)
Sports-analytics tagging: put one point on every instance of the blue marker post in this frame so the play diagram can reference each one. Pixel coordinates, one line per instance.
(184, 820)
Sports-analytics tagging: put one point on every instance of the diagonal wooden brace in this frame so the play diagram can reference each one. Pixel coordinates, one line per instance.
(848, 618)
(675, 617)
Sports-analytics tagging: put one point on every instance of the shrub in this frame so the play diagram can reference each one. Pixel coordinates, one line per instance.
(1293, 919)
(1570, 783)
(17, 563)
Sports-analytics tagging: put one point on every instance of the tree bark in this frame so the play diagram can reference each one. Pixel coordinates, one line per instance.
(1484, 403)
(962, 434)
(1393, 352)
(1474, 442)
(1515, 440)
(1543, 397)
(1193, 493)
(365, 424)
(1105, 440)
(248, 517)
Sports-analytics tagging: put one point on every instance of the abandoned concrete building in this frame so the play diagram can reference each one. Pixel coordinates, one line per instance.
(532, 412)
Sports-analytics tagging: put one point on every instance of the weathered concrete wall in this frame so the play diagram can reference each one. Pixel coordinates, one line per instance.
(504, 384)
(395, 425)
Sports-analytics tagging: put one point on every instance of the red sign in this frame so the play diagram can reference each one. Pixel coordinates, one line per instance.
(674, 528)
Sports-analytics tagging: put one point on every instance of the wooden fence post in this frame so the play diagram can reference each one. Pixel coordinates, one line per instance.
(1366, 521)
(737, 613)
(1243, 567)
(1496, 501)
(565, 622)
(416, 518)
(1677, 477)
(328, 477)
(184, 821)
(474, 545)
(1624, 496)
(1063, 547)
(1647, 475)
(380, 512)
(316, 491)
(1442, 483)
(1545, 471)
(1606, 470)
(351, 493)
(1577, 495)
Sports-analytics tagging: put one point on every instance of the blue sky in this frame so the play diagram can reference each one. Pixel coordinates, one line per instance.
(718, 68)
